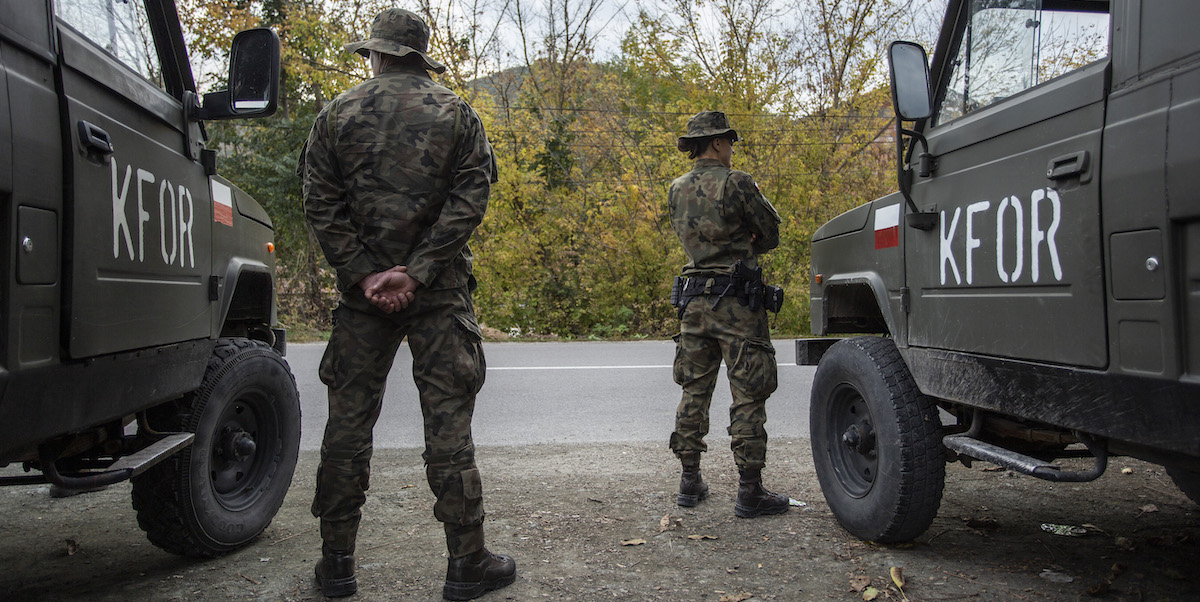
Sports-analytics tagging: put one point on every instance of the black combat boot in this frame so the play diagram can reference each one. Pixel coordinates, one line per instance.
(471, 576)
(753, 500)
(692, 488)
(335, 573)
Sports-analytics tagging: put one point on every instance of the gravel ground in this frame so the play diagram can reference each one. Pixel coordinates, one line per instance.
(599, 522)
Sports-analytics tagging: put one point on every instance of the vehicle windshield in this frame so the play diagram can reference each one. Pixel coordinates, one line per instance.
(1009, 46)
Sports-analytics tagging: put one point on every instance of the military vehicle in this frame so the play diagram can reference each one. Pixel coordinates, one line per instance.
(1032, 292)
(137, 286)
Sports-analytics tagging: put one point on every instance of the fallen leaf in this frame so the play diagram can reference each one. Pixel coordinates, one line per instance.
(633, 542)
(664, 523)
(1099, 589)
(737, 597)
(1055, 576)
(859, 583)
(994, 469)
(897, 574)
(699, 537)
(72, 547)
(1148, 508)
(1123, 543)
(870, 593)
(983, 522)
(1126, 470)
(1065, 530)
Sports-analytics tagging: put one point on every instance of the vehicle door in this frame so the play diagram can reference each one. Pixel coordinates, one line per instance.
(1013, 266)
(139, 216)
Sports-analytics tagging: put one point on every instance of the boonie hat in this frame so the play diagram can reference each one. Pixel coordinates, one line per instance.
(706, 124)
(398, 32)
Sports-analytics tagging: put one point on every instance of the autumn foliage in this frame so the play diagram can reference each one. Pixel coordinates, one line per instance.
(577, 241)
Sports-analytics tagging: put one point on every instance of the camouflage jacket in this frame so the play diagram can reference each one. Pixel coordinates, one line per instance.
(714, 210)
(397, 171)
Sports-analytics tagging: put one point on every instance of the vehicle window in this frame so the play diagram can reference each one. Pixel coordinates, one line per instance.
(1012, 45)
(120, 27)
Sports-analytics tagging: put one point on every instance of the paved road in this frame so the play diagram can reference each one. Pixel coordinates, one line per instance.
(561, 392)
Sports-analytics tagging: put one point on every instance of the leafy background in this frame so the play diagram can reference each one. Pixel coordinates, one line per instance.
(583, 101)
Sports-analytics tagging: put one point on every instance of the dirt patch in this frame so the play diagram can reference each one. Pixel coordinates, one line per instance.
(564, 511)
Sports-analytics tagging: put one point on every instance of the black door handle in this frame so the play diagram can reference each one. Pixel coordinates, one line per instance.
(1067, 165)
(94, 139)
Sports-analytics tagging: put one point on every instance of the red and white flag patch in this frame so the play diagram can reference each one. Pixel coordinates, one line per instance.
(222, 198)
(887, 226)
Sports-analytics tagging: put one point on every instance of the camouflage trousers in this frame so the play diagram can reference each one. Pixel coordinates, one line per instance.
(448, 367)
(741, 337)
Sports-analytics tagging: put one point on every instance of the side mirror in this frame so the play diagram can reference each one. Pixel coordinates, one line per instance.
(253, 79)
(910, 81)
(911, 100)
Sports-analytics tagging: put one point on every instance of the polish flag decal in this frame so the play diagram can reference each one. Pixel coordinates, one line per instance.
(222, 198)
(887, 227)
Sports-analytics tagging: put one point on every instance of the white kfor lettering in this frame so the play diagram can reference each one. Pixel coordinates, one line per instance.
(185, 228)
(1019, 231)
(972, 242)
(143, 215)
(947, 254)
(120, 223)
(164, 193)
(1037, 236)
(176, 215)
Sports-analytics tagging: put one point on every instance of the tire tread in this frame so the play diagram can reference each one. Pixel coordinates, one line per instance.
(159, 495)
(922, 457)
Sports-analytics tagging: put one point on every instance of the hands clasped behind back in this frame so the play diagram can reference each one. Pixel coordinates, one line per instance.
(391, 290)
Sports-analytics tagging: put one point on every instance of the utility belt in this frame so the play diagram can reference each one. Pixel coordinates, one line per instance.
(744, 283)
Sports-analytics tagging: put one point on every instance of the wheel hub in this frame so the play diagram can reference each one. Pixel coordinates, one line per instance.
(239, 445)
(859, 438)
(850, 434)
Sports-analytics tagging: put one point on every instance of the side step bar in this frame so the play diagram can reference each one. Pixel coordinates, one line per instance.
(160, 450)
(988, 452)
(123, 469)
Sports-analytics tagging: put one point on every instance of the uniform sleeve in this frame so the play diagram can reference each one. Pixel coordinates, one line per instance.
(761, 217)
(326, 207)
(463, 211)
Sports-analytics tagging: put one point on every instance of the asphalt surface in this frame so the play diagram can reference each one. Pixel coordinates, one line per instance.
(560, 392)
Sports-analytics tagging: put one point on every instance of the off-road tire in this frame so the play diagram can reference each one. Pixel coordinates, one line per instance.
(220, 493)
(1187, 481)
(876, 442)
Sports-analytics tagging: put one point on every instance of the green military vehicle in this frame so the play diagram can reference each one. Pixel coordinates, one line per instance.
(1032, 293)
(137, 286)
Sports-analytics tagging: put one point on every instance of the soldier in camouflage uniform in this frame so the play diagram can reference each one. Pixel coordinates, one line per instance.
(397, 173)
(721, 218)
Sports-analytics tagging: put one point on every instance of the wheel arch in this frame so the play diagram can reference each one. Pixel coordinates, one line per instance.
(248, 300)
(855, 303)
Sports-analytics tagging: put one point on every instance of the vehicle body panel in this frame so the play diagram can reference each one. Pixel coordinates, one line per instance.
(143, 217)
(1106, 339)
(1015, 254)
(117, 271)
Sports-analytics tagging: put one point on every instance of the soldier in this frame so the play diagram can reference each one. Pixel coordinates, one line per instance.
(724, 223)
(397, 172)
